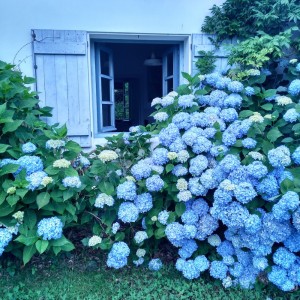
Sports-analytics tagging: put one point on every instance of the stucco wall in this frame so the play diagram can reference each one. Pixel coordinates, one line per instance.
(139, 16)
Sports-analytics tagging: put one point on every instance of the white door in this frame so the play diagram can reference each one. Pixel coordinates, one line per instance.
(170, 69)
(105, 90)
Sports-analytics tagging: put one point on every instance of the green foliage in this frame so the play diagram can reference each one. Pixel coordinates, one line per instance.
(268, 32)
(206, 62)
(244, 18)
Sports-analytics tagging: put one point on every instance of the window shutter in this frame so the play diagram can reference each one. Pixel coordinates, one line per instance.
(202, 42)
(61, 71)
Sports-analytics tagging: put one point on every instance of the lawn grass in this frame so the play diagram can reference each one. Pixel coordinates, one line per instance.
(76, 277)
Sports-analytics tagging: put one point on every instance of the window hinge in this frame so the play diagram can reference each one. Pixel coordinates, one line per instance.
(35, 67)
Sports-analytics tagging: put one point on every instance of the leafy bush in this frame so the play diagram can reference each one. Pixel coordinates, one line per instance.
(206, 63)
(32, 194)
(222, 190)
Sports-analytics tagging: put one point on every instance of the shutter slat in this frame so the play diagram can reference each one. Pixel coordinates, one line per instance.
(62, 79)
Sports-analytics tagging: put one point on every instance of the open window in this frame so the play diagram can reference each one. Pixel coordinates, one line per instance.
(128, 76)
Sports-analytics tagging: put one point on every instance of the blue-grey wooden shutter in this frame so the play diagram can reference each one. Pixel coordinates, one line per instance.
(62, 74)
(202, 42)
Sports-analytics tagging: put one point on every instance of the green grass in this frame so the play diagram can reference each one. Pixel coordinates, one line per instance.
(82, 278)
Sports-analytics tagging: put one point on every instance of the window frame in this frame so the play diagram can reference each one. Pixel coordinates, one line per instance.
(185, 63)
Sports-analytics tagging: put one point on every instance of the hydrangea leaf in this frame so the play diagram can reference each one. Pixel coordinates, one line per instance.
(273, 134)
(42, 199)
(41, 246)
(28, 252)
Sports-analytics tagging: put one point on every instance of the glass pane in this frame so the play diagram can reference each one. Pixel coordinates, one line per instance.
(105, 89)
(104, 56)
(122, 100)
(170, 85)
(119, 98)
(106, 114)
(170, 64)
(126, 101)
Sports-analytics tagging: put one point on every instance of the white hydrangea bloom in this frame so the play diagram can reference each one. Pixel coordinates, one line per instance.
(104, 199)
(184, 196)
(172, 155)
(283, 100)
(161, 116)
(46, 180)
(61, 163)
(94, 240)
(140, 252)
(256, 118)
(107, 155)
(156, 101)
(214, 240)
(183, 156)
(256, 155)
(182, 184)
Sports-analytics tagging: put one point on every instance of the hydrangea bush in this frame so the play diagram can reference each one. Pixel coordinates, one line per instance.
(222, 186)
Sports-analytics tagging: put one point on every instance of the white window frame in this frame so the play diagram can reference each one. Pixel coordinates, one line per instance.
(185, 63)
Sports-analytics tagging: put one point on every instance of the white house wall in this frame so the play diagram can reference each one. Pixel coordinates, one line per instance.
(142, 16)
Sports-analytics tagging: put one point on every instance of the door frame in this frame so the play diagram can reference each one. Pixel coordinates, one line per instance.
(185, 62)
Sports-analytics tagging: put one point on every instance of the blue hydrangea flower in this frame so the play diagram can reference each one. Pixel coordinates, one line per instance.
(235, 86)
(50, 228)
(5, 237)
(257, 169)
(225, 249)
(296, 156)
(206, 226)
(175, 233)
(278, 276)
(115, 227)
(268, 187)
(249, 143)
(28, 148)
(35, 179)
(260, 262)
(179, 170)
(244, 192)
(198, 119)
(293, 241)
(198, 164)
(190, 231)
(222, 83)
(128, 212)
(196, 188)
(212, 78)
(30, 163)
(126, 190)
(163, 217)
(234, 215)
(140, 236)
(218, 270)
(144, 202)
(191, 135)
(71, 181)
(188, 248)
(117, 257)
(177, 146)
(279, 157)
(229, 163)
(249, 91)
(189, 270)
(233, 100)
(201, 263)
(142, 169)
(155, 264)
(291, 115)
(189, 217)
(202, 144)
(160, 156)
(252, 224)
(294, 88)
(168, 135)
(182, 120)
(185, 101)
(229, 115)
(284, 258)
(200, 207)
(154, 183)
(217, 98)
